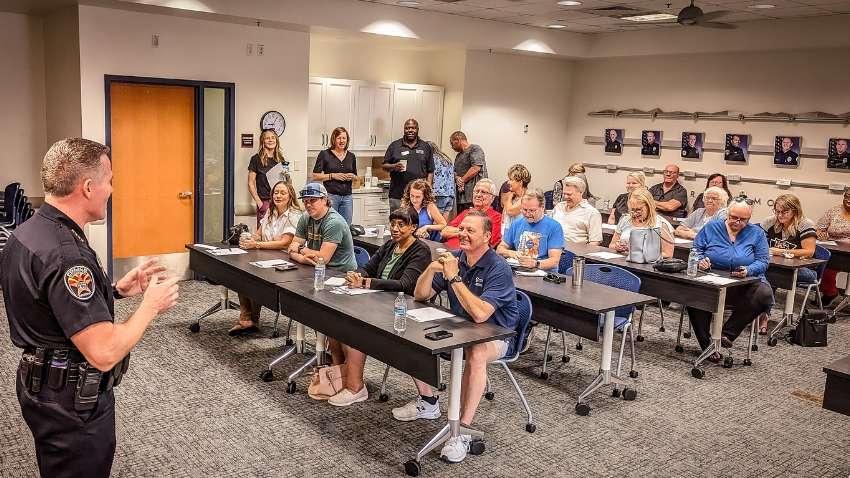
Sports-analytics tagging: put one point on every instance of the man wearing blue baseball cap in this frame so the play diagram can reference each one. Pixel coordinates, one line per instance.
(322, 232)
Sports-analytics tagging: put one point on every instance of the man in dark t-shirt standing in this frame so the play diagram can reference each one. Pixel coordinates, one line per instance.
(407, 158)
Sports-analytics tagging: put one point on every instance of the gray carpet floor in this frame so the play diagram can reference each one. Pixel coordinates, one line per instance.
(193, 405)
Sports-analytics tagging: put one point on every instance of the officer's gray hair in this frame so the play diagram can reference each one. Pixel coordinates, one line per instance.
(535, 193)
(576, 182)
(70, 161)
(492, 187)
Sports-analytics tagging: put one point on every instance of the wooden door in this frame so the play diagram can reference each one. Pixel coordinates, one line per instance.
(153, 160)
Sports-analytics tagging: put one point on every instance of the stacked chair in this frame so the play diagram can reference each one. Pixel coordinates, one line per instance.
(14, 210)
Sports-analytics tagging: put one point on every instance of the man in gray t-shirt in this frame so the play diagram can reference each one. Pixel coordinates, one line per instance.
(470, 167)
(322, 232)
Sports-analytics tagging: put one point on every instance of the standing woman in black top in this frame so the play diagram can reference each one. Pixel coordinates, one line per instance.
(337, 167)
(261, 163)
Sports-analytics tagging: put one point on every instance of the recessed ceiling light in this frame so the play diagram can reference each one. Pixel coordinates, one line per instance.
(407, 3)
(569, 3)
(556, 26)
(342, 39)
(421, 47)
(649, 18)
(761, 6)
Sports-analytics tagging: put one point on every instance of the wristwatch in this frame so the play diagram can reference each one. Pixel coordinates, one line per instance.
(787, 254)
(301, 246)
(537, 264)
(456, 278)
(115, 294)
(258, 244)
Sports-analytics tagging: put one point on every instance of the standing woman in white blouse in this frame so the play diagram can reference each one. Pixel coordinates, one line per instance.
(277, 228)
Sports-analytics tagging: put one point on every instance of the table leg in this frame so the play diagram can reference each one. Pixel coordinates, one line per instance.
(222, 304)
(604, 377)
(716, 333)
(788, 315)
(844, 301)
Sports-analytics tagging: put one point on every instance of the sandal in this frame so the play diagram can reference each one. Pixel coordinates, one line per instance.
(763, 330)
(714, 358)
(240, 329)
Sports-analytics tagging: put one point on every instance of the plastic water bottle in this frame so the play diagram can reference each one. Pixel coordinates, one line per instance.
(693, 262)
(400, 311)
(319, 279)
(607, 202)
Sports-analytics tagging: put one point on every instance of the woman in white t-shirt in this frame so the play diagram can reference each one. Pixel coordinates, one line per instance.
(277, 228)
(642, 215)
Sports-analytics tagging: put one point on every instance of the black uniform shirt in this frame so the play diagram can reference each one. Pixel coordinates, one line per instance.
(420, 163)
(613, 147)
(789, 157)
(839, 161)
(690, 152)
(650, 149)
(734, 153)
(53, 283)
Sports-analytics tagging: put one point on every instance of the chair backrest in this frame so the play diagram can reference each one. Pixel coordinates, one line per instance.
(523, 303)
(26, 213)
(361, 256)
(9, 191)
(566, 261)
(547, 197)
(10, 199)
(822, 253)
(612, 276)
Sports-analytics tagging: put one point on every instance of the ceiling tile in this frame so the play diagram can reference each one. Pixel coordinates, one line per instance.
(488, 3)
(737, 17)
(532, 8)
(567, 15)
(422, 3)
(837, 7)
(602, 21)
(489, 14)
(448, 8)
(795, 12)
(820, 2)
(743, 6)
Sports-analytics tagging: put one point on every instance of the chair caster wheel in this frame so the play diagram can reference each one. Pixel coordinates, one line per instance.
(633, 374)
(640, 338)
(615, 393)
(727, 362)
(489, 395)
(771, 341)
(267, 375)
(565, 359)
(412, 468)
(629, 394)
(831, 319)
(290, 388)
(531, 428)
(697, 372)
(686, 335)
(582, 409)
(755, 348)
(748, 362)
(442, 387)
(579, 346)
(661, 329)
(680, 349)
(275, 334)
(544, 375)
(548, 358)
(195, 328)
(383, 397)
(476, 447)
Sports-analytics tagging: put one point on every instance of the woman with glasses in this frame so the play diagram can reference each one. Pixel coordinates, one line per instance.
(714, 208)
(634, 180)
(834, 225)
(419, 195)
(642, 215)
(740, 247)
(716, 180)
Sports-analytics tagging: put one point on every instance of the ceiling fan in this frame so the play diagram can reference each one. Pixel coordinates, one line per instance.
(692, 16)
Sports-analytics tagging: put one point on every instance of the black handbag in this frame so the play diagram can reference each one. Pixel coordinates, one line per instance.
(234, 233)
(670, 265)
(811, 329)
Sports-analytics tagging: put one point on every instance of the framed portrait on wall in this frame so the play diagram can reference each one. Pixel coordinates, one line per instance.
(614, 140)
(838, 157)
(650, 143)
(692, 145)
(786, 150)
(737, 146)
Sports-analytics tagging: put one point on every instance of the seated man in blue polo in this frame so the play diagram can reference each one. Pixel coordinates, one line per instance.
(535, 240)
(480, 287)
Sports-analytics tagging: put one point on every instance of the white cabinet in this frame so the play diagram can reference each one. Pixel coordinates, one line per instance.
(370, 209)
(423, 103)
(372, 116)
(357, 213)
(330, 104)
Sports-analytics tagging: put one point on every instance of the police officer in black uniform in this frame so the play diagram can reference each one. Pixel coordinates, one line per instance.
(786, 156)
(611, 143)
(690, 150)
(60, 307)
(651, 147)
(841, 158)
(733, 151)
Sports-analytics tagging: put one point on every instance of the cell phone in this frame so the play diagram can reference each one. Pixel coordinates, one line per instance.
(439, 335)
(738, 269)
(288, 267)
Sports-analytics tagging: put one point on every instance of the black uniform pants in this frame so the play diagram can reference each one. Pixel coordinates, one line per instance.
(748, 302)
(69, 443)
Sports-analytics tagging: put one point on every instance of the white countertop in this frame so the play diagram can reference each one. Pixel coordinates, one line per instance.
(367, 190)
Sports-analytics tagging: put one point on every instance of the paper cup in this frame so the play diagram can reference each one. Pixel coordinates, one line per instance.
(380, 230)
(441, 250)
(403, 163)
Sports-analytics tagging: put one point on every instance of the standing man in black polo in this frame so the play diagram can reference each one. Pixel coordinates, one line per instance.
(470, 167)
(671, 198)
(60, 306)
(407, 158)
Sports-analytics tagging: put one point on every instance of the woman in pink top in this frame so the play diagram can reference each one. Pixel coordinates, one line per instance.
(834, 225)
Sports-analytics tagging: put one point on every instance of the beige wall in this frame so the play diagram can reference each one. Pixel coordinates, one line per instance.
(23, 113)
(501, 94)
(791, 82)
(114, 42)
(62, 74)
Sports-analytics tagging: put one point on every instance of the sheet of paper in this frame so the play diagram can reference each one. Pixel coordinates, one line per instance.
(345, 290)
(512, 262)
(537, 273)
(712, 279)
(270, 263)
(606, 255)
(227, 252)
(827, 243)
(611, 227)
(275, 174)
(335, 281)
(204, 246)
(679, 240)
(428, 313)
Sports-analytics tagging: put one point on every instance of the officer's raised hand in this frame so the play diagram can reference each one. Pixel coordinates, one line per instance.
(138, 278)
(161, 296)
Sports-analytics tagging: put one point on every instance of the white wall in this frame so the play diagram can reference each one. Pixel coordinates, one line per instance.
(62, 74)
(791, 82)
(23, 114)
(501, 94)
(114, 42)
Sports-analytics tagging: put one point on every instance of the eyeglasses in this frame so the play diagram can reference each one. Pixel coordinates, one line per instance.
(524, 211)
(744, 199)
(480, 192)
(398, 225)
(742, 220)
(670, 172)
(782, 213)
(710, 199)
(636, 211)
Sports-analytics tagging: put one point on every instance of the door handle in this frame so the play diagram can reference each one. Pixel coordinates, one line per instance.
(185, 194)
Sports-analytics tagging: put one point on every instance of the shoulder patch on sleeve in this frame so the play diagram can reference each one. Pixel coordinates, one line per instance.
(79, 282)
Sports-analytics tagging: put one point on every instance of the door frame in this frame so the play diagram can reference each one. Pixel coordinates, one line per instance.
(229, 147)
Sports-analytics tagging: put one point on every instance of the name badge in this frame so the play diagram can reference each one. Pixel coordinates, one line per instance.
(419, 151)
(405, 153)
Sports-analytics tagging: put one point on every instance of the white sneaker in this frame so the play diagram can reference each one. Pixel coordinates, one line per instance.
(456, 448)
(346, 397)
(416, 409)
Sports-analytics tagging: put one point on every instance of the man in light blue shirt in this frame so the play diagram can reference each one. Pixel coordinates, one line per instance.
(535, 240)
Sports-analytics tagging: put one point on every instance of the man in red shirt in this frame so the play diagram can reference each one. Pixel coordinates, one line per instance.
(482, 198)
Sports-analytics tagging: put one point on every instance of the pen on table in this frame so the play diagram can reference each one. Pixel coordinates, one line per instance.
(431, 327)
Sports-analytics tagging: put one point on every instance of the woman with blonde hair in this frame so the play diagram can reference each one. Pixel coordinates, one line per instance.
(518, 179)
(642, 215)
(444, 181)
(576, 169)
(337, 167)
(276, 231)
(634, 180)
(419, 196)
(267, 157)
